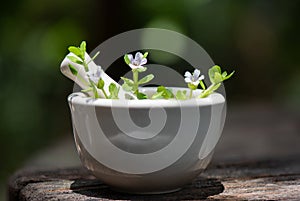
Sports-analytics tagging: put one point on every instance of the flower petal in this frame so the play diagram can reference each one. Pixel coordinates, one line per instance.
(196, 74)
(187, 74)
(196, 83)
(187, 80)
(201, 77)
(132, 66)
(98, 73)
(144, 61)
(130, 57)
(138, 57)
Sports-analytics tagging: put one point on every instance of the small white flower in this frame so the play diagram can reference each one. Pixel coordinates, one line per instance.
(94, 74)
(138, 61)
(194, 78)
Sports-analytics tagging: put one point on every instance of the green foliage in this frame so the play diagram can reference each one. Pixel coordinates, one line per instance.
(76, 51)
(96, 95)
(133, 85)
(83, 47)
(202, 85)
(73, 69)
(225, 76)
(75, 59)
(192, 87)
(126, 87)
(114, 91)
(100, 84)
(145, 54)
(79, 51)
(79, 58)
(181, 95)
(216, 78)
(126, 59)
(146, 79)
(128, 81)
(158, 95)
(128, 84)
(140, 70)
(141, 96)
(94, 57)
(163, 93)
(215, 73)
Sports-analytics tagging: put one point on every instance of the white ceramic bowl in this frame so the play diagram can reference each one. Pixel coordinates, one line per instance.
(146, 146)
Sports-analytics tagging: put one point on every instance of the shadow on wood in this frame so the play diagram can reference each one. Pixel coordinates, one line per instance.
(252, 180)
(199, 189)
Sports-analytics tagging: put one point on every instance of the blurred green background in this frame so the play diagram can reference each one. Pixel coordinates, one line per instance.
(257, 38)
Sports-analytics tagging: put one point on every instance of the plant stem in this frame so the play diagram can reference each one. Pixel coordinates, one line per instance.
(135, 74)
(206, 92)
(86, 68)
(94, 57)
(96, 95)
(105, 94)
(191, 93)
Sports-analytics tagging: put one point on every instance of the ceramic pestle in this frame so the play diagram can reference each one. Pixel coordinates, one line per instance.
(82, 80)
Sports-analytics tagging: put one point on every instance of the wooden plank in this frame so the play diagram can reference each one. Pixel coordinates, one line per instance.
(266, 180)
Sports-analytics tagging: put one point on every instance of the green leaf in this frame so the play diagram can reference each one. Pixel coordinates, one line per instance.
(224, 74)
(146, 79)
(227, 77)
(141, 96)
(79, 51)
(114, 91)
(75, 50)
(168, 94)
(145, 55)
(75, 59)
(212, 71)
(158, 95)
(112, 87)
(217, 78)
(126, 59)
(181, 95)
(214, 88)
(202, 85)
(140, 70)
(73, 70)
(126, 87)
(82, 49)
(164, 93)
(100, 84)
(83, 46)
(217, 68)
(161, 88)
(129, 82)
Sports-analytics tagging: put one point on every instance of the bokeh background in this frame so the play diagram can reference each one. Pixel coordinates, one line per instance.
(257, 38)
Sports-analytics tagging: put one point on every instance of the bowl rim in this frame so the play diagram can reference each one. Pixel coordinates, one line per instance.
(79, 98)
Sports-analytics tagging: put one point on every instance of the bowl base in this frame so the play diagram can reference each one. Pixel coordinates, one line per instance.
(146, 192)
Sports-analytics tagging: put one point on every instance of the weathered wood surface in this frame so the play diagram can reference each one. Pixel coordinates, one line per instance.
(265, 180)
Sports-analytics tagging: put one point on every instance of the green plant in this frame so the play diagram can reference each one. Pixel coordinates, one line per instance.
(136, 64)
(93, 77)
(93, 74)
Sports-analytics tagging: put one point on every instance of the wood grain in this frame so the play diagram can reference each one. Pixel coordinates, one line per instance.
(265, 180)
